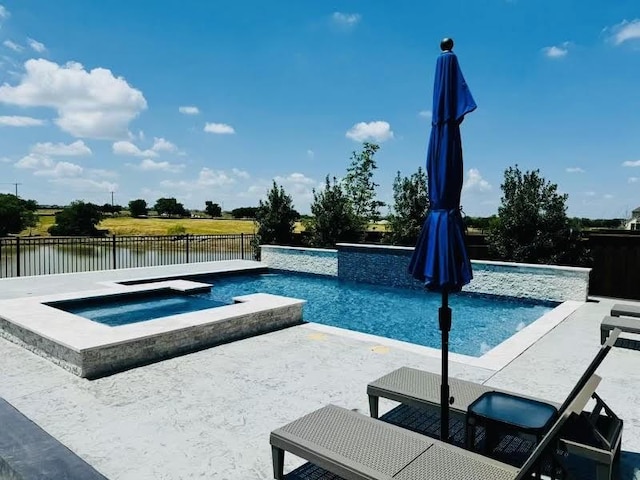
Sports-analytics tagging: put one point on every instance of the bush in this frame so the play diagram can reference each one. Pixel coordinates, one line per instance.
(78, 219)
(276, 217)
(16, 214)
(532, 224)
(411, 203)
(334, 219)
(176, 230)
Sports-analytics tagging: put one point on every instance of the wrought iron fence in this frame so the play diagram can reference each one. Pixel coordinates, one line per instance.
(22, 256)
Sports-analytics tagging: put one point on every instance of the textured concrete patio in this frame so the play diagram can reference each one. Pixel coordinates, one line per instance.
(209, 414)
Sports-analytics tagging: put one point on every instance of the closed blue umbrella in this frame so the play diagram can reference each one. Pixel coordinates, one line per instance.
(440, 258)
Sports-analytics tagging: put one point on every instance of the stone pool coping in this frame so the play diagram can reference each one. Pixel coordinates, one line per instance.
(96, 349)
(91, 349)
(495, 359)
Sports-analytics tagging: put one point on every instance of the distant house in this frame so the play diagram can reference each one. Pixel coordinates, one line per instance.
(634, 223)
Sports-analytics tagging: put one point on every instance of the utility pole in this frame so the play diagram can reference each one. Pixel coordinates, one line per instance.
(112, 199)
(15, 184)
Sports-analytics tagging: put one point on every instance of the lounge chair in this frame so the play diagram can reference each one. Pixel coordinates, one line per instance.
(356, 447)
(625, 310)
(625, 324)
(599, 435)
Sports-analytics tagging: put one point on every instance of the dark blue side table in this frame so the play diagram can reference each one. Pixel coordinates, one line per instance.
(500, 413)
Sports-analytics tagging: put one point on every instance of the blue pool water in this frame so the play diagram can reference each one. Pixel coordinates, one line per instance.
(479, 323)
(131, 309)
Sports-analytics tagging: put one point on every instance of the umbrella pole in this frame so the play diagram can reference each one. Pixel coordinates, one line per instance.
(444, 319)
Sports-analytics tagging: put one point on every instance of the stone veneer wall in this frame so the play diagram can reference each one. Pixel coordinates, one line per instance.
(307, 260)
(387, 265)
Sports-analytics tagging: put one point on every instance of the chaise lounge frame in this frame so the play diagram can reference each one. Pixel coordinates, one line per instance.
(356, 447)
(600, 438)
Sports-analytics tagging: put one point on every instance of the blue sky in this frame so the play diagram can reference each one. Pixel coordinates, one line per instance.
(212, 100)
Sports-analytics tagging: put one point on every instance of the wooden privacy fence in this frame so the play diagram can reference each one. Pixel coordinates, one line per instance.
(616, 265)
(22, 256)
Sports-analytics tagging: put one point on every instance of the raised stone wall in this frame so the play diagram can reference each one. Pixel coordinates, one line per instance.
(306, 260)
(387, 265)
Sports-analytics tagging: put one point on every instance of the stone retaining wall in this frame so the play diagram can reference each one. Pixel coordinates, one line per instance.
(387, 265)
(307, 260)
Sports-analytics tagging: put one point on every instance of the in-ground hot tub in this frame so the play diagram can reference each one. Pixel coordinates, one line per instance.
(49, 327)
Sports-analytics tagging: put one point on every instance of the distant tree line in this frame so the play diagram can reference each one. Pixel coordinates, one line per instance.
(531, 225)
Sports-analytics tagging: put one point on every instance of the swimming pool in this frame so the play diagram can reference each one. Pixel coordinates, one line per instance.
(479, 322)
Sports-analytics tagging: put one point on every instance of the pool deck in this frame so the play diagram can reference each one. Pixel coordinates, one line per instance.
(208, 414)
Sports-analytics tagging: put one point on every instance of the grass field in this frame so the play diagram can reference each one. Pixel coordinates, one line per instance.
(157, 226)
(165, 226)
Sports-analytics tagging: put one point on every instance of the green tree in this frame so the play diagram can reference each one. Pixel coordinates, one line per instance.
(276, 217)
(16, 214)
(78, 219)
(333, 217)
(532, 224)
(244, 212)
(360, 187)
(410, 205)
(212, 209)
(169, 206)
(138, 208)
(107, 208)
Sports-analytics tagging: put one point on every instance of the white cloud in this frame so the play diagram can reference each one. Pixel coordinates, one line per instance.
(574, 170)
(61, 170)
(162, 145)
(85, 184)
(590, 194)
(475, 182)
(4, 13)
(557, 51)
(92, 104)
(346, 19)
(378, 131)
(33, 161)
(295, 178)
(206, 178)
(99, 172)
(219, 128)
(148, 165)
(13, 46)
(36, 46)
(17, 121)
(240, 173)
(124, 147)
(75, 149)
(5, 160)
(311, 154)
(298, 185)
(425, 113)
(607, 196)
(624, 31)
(634, 179)
(209, 177)
(630, 163)
(189, 110)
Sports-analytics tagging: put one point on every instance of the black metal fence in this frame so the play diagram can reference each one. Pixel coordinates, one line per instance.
(22, 256)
